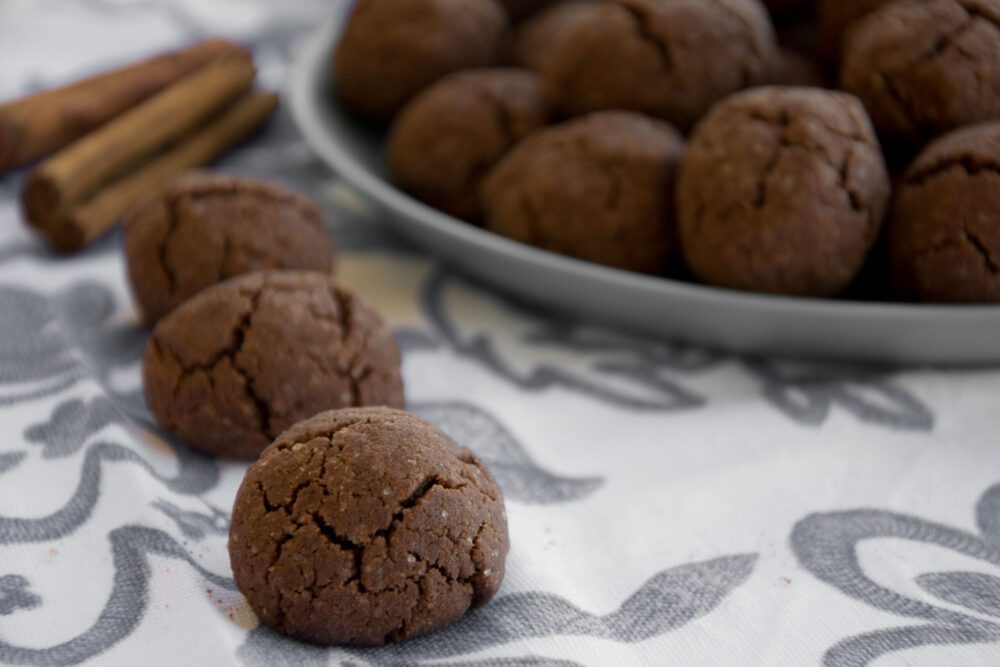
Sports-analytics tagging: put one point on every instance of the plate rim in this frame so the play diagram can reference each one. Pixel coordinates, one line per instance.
(308, 76)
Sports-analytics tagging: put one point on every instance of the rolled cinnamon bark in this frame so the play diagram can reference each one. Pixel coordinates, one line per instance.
(69, 178)
(36, 125)
(95, 217)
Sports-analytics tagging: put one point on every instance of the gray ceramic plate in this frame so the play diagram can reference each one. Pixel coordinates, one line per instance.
(739, 321)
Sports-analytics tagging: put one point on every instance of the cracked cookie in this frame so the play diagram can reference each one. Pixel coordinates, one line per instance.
(243, 360)
(924, 67)
(446, 139)
(392, 49)
(366, 526)
(203, 228)
(944, 234)
(600, 188)
(667, 58)
(782, 190)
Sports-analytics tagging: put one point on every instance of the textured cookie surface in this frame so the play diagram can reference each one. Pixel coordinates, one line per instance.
(364, 526)
(392, 49)
(203, 228)
(667, 58)
(782, 190)
(243, 360)
(447, 138)
(600, 188)
(925, 67)
(945, 228)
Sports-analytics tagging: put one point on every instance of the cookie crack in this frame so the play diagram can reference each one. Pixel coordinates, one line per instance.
(173, 221)
(745, 36)
(780, 127)
(640, 17)
(239, 338)
(981, 248)
(968, 164)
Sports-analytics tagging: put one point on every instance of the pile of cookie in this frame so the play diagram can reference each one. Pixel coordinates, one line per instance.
(700, 139)
(357, 523)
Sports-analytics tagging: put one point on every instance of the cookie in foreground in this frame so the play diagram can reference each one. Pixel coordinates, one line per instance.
(366, 526)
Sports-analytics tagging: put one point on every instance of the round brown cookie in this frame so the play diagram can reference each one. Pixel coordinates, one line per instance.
(533, 36)
(944, 234)
(600, 188)
(668, 58)
(782, 190)
(391, 49)
(518, 9)
(834, 17)
(447, 138)
(924, 67)
(243, 360)
(202, 228)
(365, 526)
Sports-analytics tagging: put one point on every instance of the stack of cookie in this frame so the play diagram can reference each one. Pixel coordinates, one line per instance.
(701, 139)
(358, 523)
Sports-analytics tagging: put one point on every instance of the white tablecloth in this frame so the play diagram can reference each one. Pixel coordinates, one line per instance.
(668, 505)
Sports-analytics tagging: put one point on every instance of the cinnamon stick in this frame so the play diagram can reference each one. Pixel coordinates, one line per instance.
(75, 174)
(98, 215)
(36, 125)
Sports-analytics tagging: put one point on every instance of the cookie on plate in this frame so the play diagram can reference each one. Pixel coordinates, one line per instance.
(599, 188)
(782, 190)
(392, 49)
(243, 360)
(202, 228)
(668, 58)
(944, 234)
(446, 139)
(925, 67)
(366, 526)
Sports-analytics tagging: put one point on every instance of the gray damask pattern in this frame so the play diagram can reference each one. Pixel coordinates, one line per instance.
(668, 600)
(826, 545)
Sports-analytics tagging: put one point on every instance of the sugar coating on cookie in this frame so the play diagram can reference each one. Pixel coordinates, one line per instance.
(944, 233)
(925, 67)
(202, 228)
(782, 190)
(392, 49)
(641, 55)
(366, 526)
(243, 360)
(450, 135)
(600, 188)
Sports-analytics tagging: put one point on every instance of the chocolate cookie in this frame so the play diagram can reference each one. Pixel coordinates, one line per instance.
(834, 17)
(447, 138)
(668, 58)
(944, 235)
(782, 190)
(366, 526)
(391, 49)
(202, 228)
(600, 188)
(241, 361)
(924, 67)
